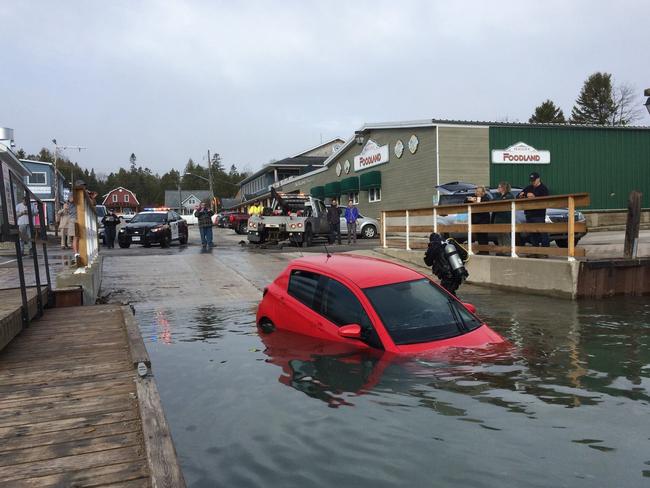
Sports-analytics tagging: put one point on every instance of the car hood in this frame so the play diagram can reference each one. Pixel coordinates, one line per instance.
(141, 225)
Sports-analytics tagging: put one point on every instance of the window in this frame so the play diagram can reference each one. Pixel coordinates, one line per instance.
(126, 199)
(114, 198)
(354, 197)
(340, 306)
(37, 179)
(302, 286)
(417, 311)
(374, 195)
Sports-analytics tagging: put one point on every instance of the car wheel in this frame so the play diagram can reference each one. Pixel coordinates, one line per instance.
(146, 244)
(165, 241)
(307, 239)
(124, 245)
(183, 239)
(241, 228)
(267, 326)
(369, 231)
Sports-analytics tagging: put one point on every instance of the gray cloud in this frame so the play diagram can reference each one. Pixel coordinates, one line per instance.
(260, 80)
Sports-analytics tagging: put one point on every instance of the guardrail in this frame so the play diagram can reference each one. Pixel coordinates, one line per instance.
(87, 227)
(413, 234)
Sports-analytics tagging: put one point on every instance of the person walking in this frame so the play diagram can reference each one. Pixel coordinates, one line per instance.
(64, 218)
(536, 189)
(351, 216)
(505, 193)
(204, 214)
(24, 230)
(334, 220)
(110, 221)
(480, 195)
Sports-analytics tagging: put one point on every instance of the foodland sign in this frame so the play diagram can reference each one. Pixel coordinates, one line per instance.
(521, 153)
(371, 155)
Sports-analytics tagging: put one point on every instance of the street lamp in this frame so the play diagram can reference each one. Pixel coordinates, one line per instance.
(647, 102)
(358, 137)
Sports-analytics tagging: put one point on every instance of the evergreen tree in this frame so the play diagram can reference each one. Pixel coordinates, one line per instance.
(596, 104)
(20, 154)
(132, 160)
(547, 113)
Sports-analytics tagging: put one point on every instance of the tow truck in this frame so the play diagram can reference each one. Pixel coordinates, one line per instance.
(294, 217)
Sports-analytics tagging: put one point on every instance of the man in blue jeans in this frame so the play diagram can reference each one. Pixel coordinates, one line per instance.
(204, 214)
(537, 216)
(351, 216)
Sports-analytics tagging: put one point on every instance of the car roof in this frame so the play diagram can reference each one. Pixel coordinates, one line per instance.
(364, 271)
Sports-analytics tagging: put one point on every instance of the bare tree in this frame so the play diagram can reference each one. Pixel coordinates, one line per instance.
(628, 105)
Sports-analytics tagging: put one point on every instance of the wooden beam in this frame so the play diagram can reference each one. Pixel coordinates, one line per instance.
(633, 223)
(137, 349)
(556, 201)
(549, 251)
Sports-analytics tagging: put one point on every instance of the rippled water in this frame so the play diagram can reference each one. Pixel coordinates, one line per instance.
(568, 405)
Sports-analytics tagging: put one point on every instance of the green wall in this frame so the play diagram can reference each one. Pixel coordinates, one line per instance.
(606, 163)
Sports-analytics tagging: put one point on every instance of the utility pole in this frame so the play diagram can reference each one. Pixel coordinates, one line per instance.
(56, 179)
(210, 176)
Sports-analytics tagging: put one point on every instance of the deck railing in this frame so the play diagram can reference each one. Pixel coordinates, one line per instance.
(409, 229)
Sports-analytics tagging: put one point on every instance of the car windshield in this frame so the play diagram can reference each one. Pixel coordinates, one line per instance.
(149, 217)
(418, 311)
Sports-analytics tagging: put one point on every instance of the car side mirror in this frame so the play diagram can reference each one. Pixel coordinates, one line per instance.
(470, 307)
(350, 331)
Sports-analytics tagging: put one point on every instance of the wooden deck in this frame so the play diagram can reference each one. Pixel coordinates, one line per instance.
(11, 321)
(73, 409)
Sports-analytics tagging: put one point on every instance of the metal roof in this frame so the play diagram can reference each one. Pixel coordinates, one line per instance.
(293, 162)
(9, 158)
(484, 123)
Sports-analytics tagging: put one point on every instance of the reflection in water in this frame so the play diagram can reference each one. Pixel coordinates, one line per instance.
(572, 393)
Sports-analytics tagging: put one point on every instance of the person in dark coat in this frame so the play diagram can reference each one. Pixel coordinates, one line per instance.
(480, 195)
(110, 222)
(504, 217)
(334, 220)
(536, 189)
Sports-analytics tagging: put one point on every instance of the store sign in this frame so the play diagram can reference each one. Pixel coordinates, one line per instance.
(521, 153)
(371, 155)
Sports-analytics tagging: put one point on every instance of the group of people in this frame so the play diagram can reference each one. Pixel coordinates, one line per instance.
(67, 221)
(351, 215)
(535, 189)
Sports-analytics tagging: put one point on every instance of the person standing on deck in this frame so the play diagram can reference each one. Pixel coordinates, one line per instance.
(537, 216)
(64, 220)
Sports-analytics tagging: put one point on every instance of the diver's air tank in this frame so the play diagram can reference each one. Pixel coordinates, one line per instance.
(456, 263)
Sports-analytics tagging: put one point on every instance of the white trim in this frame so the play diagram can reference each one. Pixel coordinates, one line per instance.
(31, 183)
(437, 156)
(374, 190)
(316, 147)
(125, 189)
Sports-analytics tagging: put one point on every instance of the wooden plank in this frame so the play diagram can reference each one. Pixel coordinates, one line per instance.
(113, 475)
(83, 421)
(70, 463)
(549, 251)
(70, 448)
(505, 228)
(137, 349)
(555, 201)
(161, 454)
(632, 223)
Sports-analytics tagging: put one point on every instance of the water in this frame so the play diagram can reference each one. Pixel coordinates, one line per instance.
(568, 405)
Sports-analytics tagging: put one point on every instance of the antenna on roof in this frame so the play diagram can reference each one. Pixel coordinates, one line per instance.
(327, 252)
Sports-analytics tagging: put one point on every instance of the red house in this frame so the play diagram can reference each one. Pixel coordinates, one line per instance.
(120, 199)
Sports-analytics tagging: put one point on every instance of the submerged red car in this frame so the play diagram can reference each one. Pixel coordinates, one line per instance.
(369, 303)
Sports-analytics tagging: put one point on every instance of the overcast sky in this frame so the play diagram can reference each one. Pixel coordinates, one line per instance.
(255, 80)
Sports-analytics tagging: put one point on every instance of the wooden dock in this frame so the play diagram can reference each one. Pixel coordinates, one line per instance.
(75, 411)
(11, 320)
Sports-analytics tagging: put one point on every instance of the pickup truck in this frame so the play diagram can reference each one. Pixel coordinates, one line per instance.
(293, 217)
(238, 221)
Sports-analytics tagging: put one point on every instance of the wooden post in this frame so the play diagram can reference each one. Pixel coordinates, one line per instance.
(80, 203)
(383, 230)
(408, 232)
(513, 234)
(572, 232)
(469, 230)
(633, 223)
(435, 220)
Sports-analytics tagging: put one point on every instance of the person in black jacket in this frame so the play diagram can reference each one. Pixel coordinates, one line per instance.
(110, 221)
(334, 220)
(480, 195)
(538, 216)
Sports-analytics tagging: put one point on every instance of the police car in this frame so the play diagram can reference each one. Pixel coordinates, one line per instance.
(154, 226)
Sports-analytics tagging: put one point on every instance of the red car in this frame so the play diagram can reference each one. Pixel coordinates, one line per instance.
(369, 303)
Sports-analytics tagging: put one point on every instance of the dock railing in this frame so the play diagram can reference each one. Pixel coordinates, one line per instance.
(87, 227)
(410, 228)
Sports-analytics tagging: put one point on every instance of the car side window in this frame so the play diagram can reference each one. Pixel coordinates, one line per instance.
(340, 306)
(303, 285)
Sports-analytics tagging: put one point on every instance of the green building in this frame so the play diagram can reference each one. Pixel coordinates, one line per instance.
(390, 166)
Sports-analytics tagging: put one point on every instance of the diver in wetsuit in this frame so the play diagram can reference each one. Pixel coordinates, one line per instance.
(447, 260)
